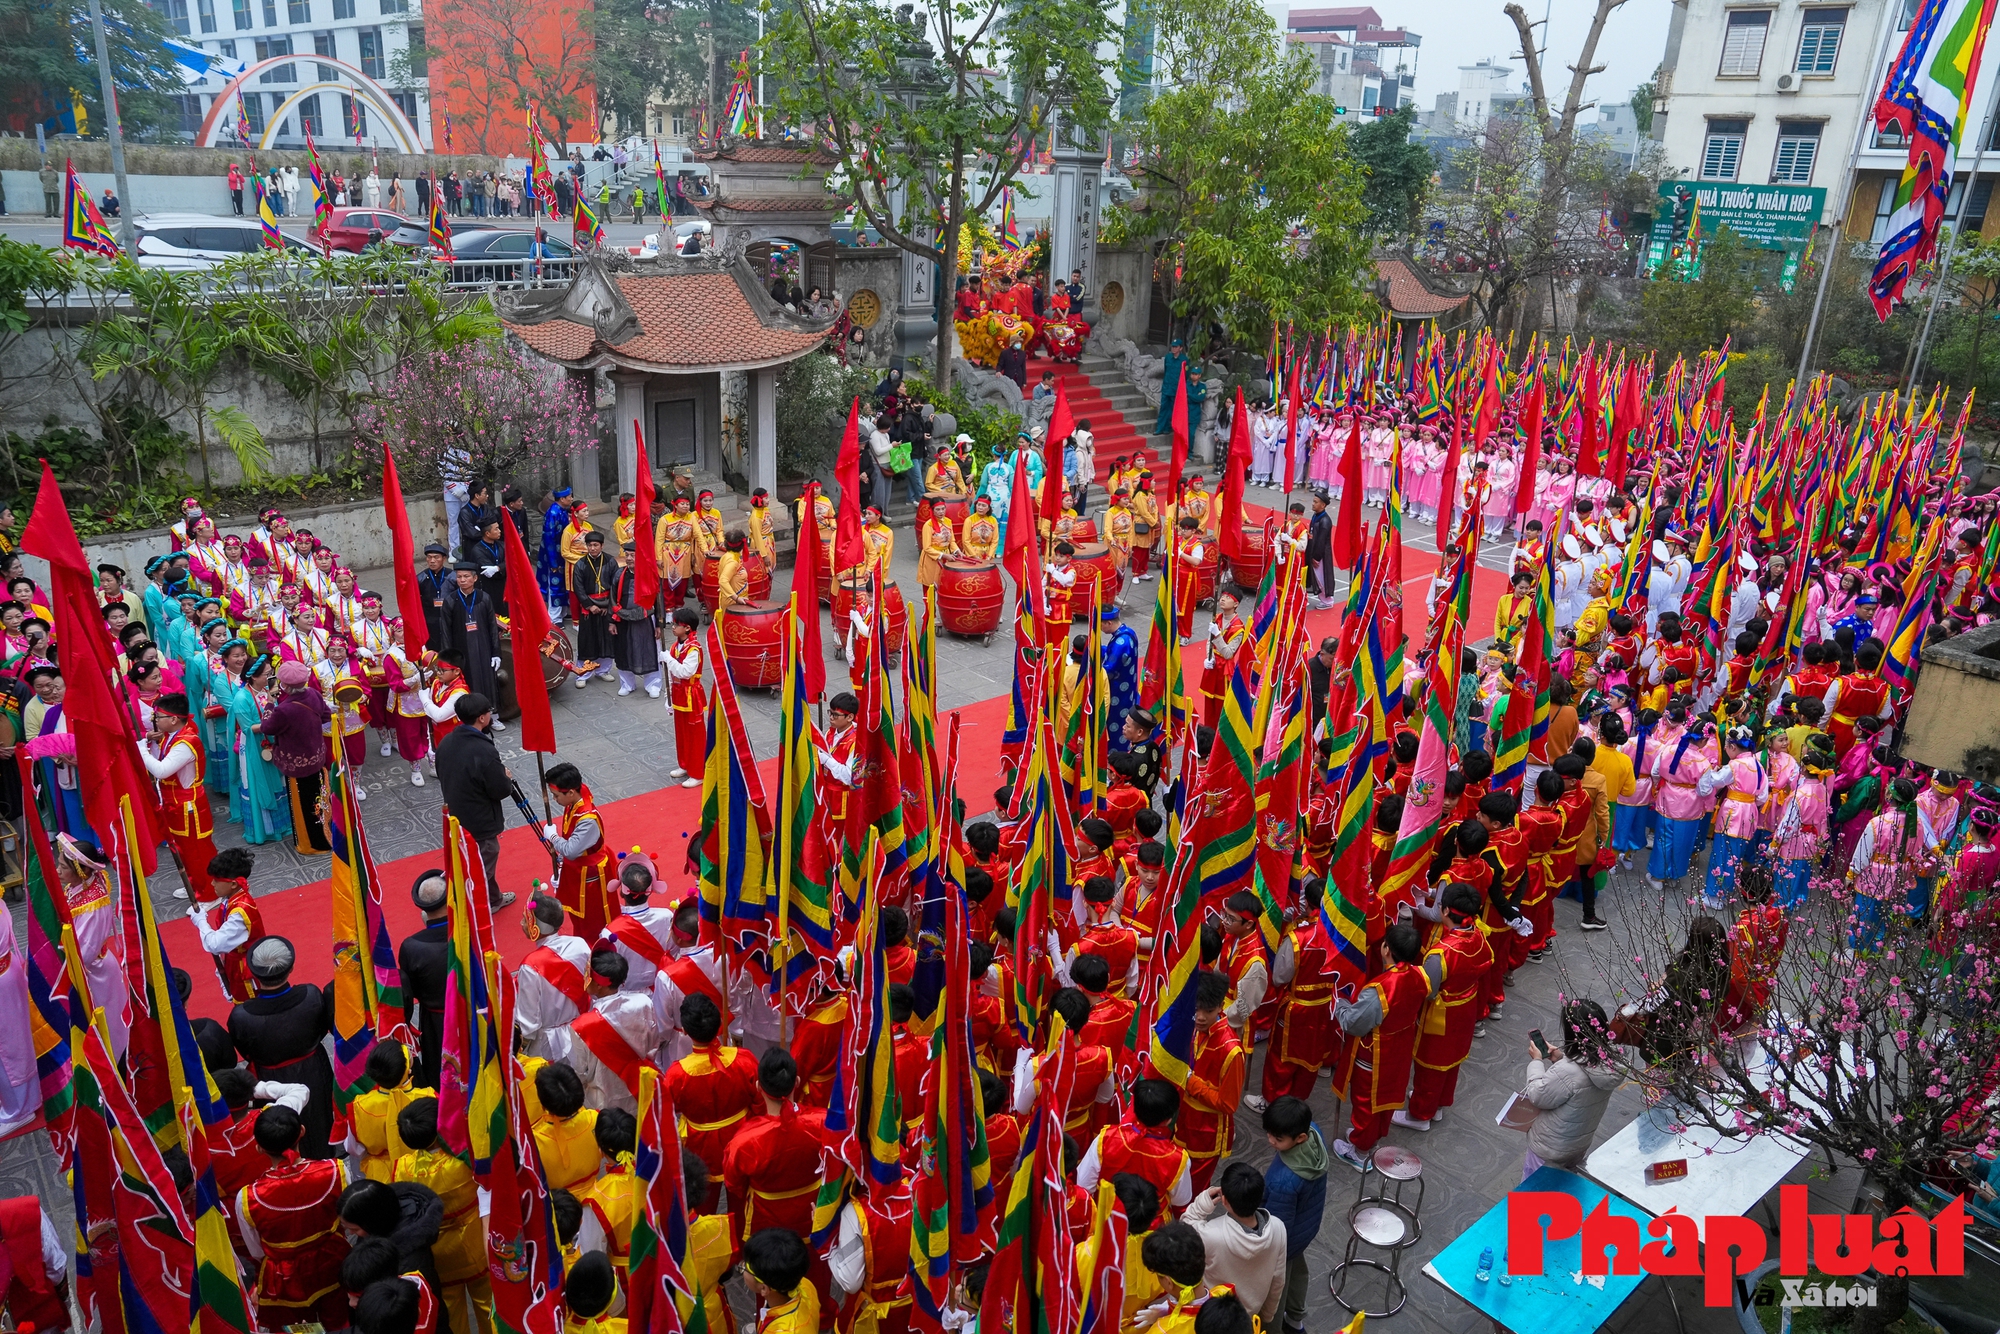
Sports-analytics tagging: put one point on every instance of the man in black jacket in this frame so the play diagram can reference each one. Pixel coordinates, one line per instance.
(434, 581)
(1319, 552)
(425, 960)
(279, 1032)
(477, 785)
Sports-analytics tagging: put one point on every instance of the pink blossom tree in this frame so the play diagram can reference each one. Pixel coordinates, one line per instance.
(477, 411)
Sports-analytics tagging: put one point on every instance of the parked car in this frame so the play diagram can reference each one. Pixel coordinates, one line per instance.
(417, 231)
(348, 228)
(493, 255)
(189, 241)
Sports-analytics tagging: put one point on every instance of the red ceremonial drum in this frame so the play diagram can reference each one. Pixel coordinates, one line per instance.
(1082, 531)
(824, 578)
(895, 616)
(758, 576)
(949, 506)
(1093, 562)
(1249, 572)
(1206, 569)
(970, 596)
(753, 643)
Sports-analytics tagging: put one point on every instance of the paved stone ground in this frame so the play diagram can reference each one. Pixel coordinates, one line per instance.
(624, 747)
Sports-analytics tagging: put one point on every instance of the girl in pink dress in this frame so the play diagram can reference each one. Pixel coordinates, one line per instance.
(1501, 476)
(1886, 862)
(1940, 805)
(1375, 462)
(1421, 461)
(1325, 444)
(1798, 833)
(1843, 600)
(1562, 486)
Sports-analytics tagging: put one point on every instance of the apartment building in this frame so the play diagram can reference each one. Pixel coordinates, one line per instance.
(1365, 65)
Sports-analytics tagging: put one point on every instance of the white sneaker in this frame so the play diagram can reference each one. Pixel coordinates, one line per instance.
(690, 782)
(360, 792)
(654, 691)
(1254, 1103)
(416, 776)
(387, 747)
(1350, 1155)
(677, 773)
(1403, 1118)
(499, 726)
(624, 691)
(582, 681)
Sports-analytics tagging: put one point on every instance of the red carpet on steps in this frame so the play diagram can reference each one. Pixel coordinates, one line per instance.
(662, 821)
(1115, 437)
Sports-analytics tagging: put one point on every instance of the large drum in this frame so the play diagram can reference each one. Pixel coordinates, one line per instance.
(824, 578)
(1093, 564)
(710, 589)
(1082, 531)
(1249, 572)
(970, 597)
(508, 706)
(753, 643)
(949, 506)
(1205, 572)
(895, 616)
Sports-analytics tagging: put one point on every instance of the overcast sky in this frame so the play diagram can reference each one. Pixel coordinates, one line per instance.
(1460, 32)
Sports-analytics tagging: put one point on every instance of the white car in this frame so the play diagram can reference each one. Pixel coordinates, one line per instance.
(188, 241)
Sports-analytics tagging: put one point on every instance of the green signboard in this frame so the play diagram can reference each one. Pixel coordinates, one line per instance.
(1765, 217)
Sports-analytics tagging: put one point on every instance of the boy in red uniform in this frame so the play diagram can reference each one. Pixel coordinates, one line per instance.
(992, 1036)
(817, 1043)
(1310, 967)
(228, 926)
(912, 1055)
(1110, 1023)
(897, 952)
(1144, 1148)
(174, 756)
(1207, 1123)
(1860, 694)
(1541, 827)
(1123, 800)
(1094, 850)
(714, 1089)
(1107, 937)
(686, 700)
(1094, 1084)
(589, 867)
(290, 1218)
(1381, 1027)
(772, 1166)
(1457, 966)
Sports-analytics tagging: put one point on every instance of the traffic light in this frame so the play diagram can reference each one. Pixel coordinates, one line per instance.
(1340, 111)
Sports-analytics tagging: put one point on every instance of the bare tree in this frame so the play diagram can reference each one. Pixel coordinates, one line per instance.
(505, 56)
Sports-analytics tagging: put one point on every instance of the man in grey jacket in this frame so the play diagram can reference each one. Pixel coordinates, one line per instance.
(1245, 1245)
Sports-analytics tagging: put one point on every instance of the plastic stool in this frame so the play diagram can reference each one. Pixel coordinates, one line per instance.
(1395, 1168)
(1383, 1230)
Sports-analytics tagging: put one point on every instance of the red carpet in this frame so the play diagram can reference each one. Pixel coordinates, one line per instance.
(662, 821)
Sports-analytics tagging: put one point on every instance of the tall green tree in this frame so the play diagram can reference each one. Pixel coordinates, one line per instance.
(931, 111)
(1683, 318)
(1399, 173)
(1255, 198)
(648, 52)
(48, 58)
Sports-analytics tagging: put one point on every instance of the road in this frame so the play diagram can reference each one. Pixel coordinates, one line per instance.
(48, 231)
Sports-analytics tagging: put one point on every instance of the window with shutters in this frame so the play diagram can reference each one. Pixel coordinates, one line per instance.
(1819, 42)
(207, 10)
(240, 10)
(1743, 42)
(1798, 145)
(1722, 152)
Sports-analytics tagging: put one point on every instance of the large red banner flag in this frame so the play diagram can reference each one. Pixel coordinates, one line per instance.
(528, 628)
(849, 550)
(403, 561)
(645, 555)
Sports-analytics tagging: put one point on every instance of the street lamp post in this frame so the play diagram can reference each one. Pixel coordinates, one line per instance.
(109, 90)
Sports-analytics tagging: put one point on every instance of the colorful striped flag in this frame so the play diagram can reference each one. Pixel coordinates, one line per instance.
(472, 1083)
(273, 238)
(737, 833)
(1424, 802)
(83, 225)
(659, 1299)
(368, 1001)
(806, 936)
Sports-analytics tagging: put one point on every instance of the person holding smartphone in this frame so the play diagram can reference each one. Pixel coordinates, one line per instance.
(1571, 1087)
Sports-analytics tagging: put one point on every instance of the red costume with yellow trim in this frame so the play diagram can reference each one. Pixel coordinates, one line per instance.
(1446, 1040)
(883, 1306)
(714, 1090)
(1304, 1035)
(1207, 1123)
(1374, 1069)
(772, 1171)
(184, 809)
(294, 1208)
(587, 885)
(1145, 1151)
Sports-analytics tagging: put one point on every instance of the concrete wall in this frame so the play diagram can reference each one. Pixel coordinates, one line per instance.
(877, 269)
(1954, 719)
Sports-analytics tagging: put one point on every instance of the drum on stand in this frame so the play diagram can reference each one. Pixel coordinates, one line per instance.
(753, 643)
(970, 598)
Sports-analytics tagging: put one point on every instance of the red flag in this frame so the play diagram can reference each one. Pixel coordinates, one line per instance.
(1347, 536)
(1022, 556)
(1589, 461)
(849, 550)
(805, 596)
(1061, 426)
(1625, 418)
(1291, 423)
(1531, 458)
(527, 1266)
(1178, 420)
(1489, 398)
(403, 556)
(1448, 483)
(1230, 509)
(106, 734)
(646, 556)
(528, 628)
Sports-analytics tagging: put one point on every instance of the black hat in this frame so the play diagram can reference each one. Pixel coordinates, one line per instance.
(271, 959)
(593, 536)
(435, 549)
(430, 891)
(464, 567)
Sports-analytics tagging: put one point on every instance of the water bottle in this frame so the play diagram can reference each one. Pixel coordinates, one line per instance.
(1506, 1278)
(1485, 1270)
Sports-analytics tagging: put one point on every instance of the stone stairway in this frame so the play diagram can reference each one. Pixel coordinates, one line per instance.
(1120, 418)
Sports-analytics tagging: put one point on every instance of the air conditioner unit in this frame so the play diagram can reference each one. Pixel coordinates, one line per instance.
(1788, 83)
